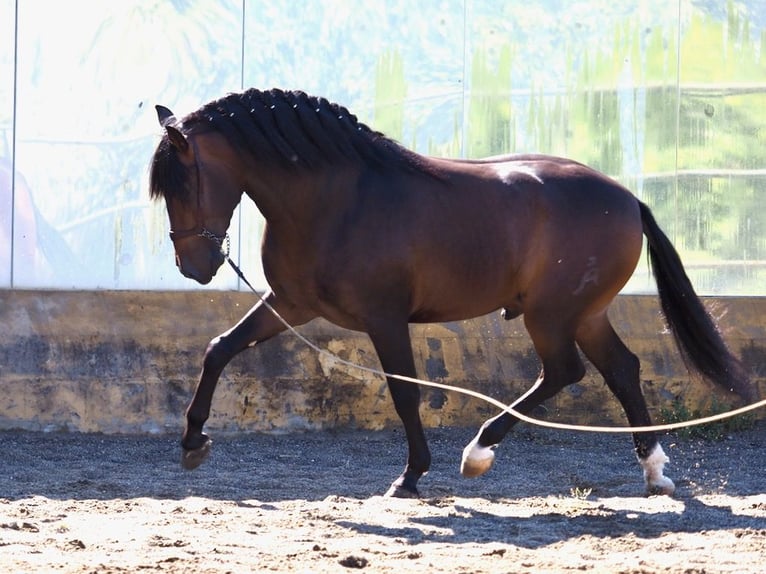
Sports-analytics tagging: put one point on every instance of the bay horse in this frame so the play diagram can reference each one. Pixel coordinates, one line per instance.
(372, 236)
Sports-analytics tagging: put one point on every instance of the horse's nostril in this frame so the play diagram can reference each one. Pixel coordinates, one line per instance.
(191, 271)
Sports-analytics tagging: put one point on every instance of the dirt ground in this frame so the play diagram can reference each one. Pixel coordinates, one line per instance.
(554, 502)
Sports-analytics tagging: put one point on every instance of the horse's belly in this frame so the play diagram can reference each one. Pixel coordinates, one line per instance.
(447, 315)
(457, 303)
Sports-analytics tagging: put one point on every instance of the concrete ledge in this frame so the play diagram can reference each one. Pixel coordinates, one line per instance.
(119, 362)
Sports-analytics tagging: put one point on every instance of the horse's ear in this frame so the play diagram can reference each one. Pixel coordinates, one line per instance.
(165, 116)
(167, 119)
(177, 138)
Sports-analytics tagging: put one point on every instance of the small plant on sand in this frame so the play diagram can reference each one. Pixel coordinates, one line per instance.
(580, 493)
(677, 411)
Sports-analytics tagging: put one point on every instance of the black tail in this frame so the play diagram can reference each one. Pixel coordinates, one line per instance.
(695, 333)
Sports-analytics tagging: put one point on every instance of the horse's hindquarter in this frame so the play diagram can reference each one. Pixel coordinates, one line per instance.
(523, 233)
(592, 238)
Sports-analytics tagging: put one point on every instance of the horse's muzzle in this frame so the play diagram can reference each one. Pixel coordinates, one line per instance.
(201, 273)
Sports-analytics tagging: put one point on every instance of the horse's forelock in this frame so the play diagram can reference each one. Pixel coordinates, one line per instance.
(167, 175)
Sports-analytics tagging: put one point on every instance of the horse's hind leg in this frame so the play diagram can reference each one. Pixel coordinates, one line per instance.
(393, 346)
(620, 369)
(562, 366)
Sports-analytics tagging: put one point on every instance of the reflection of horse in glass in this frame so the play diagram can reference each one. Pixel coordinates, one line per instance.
(371, 236)
(18, 216)
(26, 238)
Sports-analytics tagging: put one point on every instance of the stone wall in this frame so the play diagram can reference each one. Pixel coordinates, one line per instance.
(125, 362)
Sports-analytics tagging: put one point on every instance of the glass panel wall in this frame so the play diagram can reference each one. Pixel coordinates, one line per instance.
(86, 127)
(717, 213)
(669, 98)
(398, 66)
(7, 214)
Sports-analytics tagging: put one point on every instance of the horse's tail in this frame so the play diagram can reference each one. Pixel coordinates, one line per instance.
(695, 333)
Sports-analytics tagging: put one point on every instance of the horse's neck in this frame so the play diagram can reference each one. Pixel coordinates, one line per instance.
(300, 199)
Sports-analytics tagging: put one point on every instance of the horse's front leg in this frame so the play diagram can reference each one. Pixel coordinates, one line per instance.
(394, 349)
(258, 325)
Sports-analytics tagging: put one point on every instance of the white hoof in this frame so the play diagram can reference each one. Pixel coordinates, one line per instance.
(476, 459)
(656, 482)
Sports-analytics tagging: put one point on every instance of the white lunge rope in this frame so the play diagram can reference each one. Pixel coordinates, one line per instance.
(506, 408)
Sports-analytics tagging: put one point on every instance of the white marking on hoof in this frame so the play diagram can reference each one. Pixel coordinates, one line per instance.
(477, 459)
(656, 482)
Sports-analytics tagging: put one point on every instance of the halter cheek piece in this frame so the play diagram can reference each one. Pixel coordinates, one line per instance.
(199, 229)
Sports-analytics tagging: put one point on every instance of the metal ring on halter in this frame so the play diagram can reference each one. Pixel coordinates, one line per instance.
(222, 241)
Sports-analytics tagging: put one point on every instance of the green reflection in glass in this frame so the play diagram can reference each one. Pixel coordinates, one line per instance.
(680, 122)
(390, 94)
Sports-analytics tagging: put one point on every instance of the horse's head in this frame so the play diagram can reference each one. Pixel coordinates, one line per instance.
(200, 196)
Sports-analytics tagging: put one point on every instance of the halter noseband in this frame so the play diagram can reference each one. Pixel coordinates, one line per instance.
(199, 229)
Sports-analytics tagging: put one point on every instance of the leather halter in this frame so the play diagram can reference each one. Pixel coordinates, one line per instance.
(199, 229)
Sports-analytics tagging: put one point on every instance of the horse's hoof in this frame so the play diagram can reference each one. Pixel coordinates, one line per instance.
(398, 491)
(653, 465)
(664, 486)
(191, 459)
(477, 459)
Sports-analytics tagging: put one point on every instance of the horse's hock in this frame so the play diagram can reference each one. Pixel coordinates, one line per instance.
(119, 361)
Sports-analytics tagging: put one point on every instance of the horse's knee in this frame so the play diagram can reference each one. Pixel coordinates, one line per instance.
(217, 354)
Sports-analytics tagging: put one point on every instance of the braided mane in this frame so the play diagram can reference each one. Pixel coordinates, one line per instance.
(290, 128)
